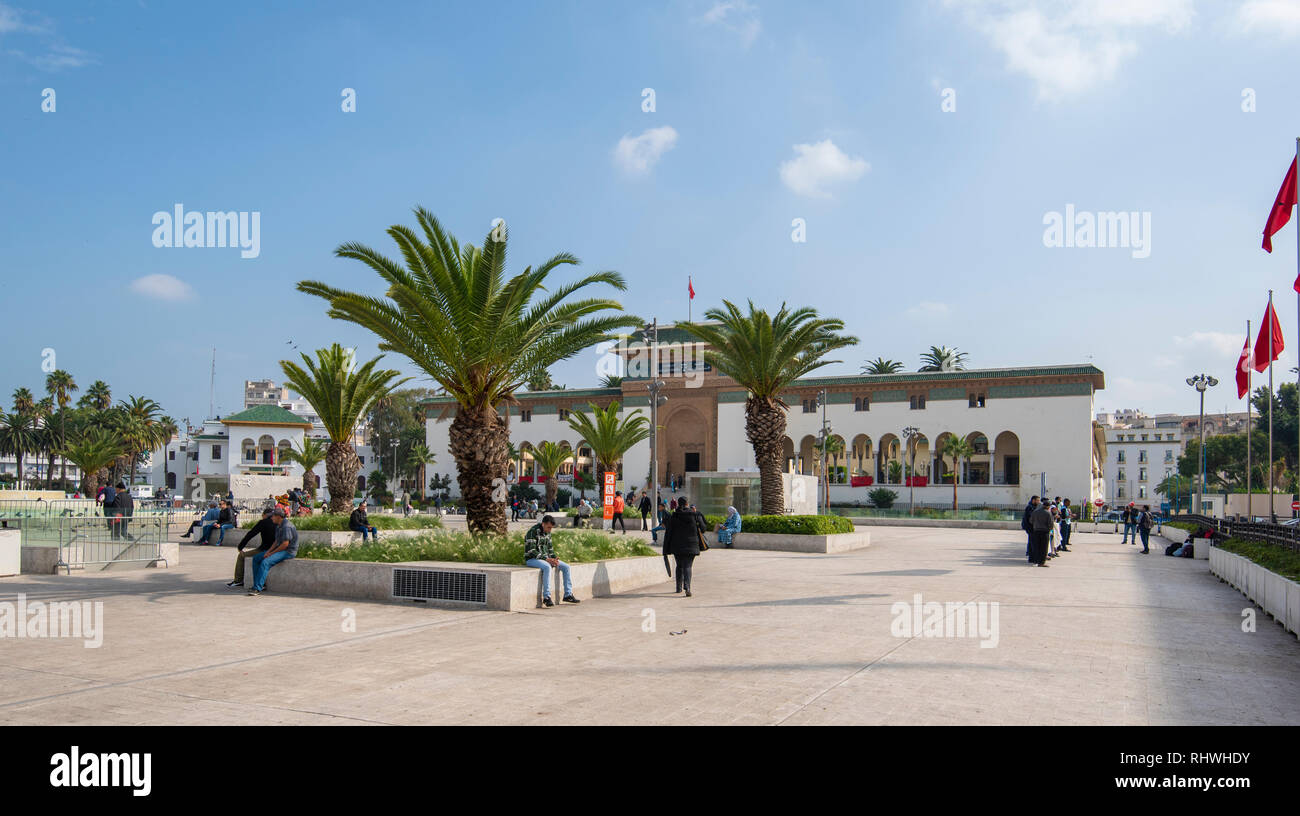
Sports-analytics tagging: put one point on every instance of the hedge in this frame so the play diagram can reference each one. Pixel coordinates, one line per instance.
(789, 525)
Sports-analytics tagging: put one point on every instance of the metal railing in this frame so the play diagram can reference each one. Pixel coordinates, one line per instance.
(89, 541)
(1287, 536)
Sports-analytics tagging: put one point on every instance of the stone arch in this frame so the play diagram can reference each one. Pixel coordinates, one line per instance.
(889, 450)
(787, 455)
(978, 467)
(686, 443)
(1006, 465)
(943, 465)
(861, 461)
(266, 450)
(808, 458)
(248, 450)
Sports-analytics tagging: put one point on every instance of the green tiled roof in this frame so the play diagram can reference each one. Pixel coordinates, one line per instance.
(265, 415)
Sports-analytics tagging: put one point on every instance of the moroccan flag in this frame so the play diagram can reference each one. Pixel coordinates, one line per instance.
(1243, 368)
(691, 288)
(1281, 212)
(1262, 359)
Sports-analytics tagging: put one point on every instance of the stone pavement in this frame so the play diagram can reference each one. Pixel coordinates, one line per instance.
(1104, 635)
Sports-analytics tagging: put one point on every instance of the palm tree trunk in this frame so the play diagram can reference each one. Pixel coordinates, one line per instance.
(63, 443)
(478, 442)
(765, 428)
(955, 467)
(552, 490)
(341, 467)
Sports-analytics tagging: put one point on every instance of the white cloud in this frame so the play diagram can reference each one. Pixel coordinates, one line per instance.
(637, 154)
(162, 287)
(1272, 17)
(737, 16)
(928, 310)
(1070, 46)
(818, 165)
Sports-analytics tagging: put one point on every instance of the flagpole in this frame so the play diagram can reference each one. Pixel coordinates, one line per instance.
(1271, 320)
(1297, 267)
(1250, 515)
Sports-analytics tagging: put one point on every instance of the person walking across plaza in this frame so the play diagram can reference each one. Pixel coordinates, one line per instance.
(125, 510)
(284, 548)
(645, 507)
(683, 539)
(617, 518)
(1040, 522)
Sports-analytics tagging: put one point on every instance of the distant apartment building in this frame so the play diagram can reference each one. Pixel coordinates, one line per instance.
(1141, 451)
(263, 392)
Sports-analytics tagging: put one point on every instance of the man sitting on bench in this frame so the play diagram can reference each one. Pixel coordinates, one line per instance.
(540, 554)
(359, 522)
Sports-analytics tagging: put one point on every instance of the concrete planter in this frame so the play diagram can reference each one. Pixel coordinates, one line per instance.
(833, 543)
(1278, 596)
(508, 588)
(11, 545)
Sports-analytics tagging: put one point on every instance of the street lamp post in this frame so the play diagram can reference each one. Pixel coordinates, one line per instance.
(394, 445)
(656, 399)
(909, 433)
(825, 436)
(1201, 382)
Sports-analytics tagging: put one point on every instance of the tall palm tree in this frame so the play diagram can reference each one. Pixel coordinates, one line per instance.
(417, 458)
(91, 452)
(47, 440)
(98, 396)
(942, 358)
(550, 457)
(957, 449)
(24, 402)
(139, 428)
(608, 435)
(309, 453)
(764, 354)
(341, 393)
(19, 435)
(476, 333)
(60, 385)
(881, 366)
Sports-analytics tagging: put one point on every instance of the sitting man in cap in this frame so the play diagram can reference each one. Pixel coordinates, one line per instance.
(539, 553)
(284, 548)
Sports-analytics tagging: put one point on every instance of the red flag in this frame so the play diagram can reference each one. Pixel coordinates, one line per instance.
(1262, 358)
(1281, 212)
(690, 288)
(1243, 369)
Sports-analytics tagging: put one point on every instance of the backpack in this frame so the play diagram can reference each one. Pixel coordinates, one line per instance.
(1144, 521)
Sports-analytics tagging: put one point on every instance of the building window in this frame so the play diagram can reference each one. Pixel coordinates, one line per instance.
(361, 459)
(862, 404)
(1169, 454)
(1142, 474)
(976, 400)
(564, 414)
(1144, 437)
(216, 453)
(1142, 456)
(1122, 477)
(1120, 454)
(171, 455)
(1169, 437)
(810, 406)
(1142, 491)
(1119, 490)
(525, 415)
(917, 402)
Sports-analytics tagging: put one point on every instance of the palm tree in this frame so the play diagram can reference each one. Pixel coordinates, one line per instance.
(608, 435)
(942, 358)
(309, 453)
(340, 392)
(18, 435)
(764, 354)
(881, 366)
(611, 381)
(139, 428)
(550, 457)
(957, 449)
(98, 396)
(479, 335)
(48, 443)
(582, 482)
(834, 446)
(417, 458)
(60, 385)
(24, 403)
(91, 452)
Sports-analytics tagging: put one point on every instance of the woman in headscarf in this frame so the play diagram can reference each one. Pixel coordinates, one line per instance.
(728, 527)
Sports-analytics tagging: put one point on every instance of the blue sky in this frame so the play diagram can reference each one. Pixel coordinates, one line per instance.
(923, 226)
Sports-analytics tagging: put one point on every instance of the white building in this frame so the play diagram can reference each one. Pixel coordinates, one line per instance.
(1031, 429)
(1141, 451)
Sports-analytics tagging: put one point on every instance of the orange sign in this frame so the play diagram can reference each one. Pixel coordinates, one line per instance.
(609, 495)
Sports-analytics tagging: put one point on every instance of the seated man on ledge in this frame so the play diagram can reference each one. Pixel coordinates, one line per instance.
(540, 554)
(284, 548)
(359, 522)
(582, 518)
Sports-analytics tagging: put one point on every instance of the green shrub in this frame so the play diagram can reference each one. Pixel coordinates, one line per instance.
(444, 545)
(796, 525)
(338, 522)
(1269, 556)
(882, 497)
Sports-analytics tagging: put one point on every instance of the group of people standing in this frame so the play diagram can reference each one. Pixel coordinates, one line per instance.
(118, 509)
(1047, 525)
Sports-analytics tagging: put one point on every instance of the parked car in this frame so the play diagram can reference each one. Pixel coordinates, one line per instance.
(1110, 515)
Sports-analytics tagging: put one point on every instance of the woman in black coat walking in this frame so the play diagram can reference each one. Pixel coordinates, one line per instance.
(682, 539)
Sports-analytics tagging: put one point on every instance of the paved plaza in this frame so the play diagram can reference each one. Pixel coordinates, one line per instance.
(1104, 635)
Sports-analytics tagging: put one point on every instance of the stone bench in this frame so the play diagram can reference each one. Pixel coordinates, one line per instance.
(504, 587)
